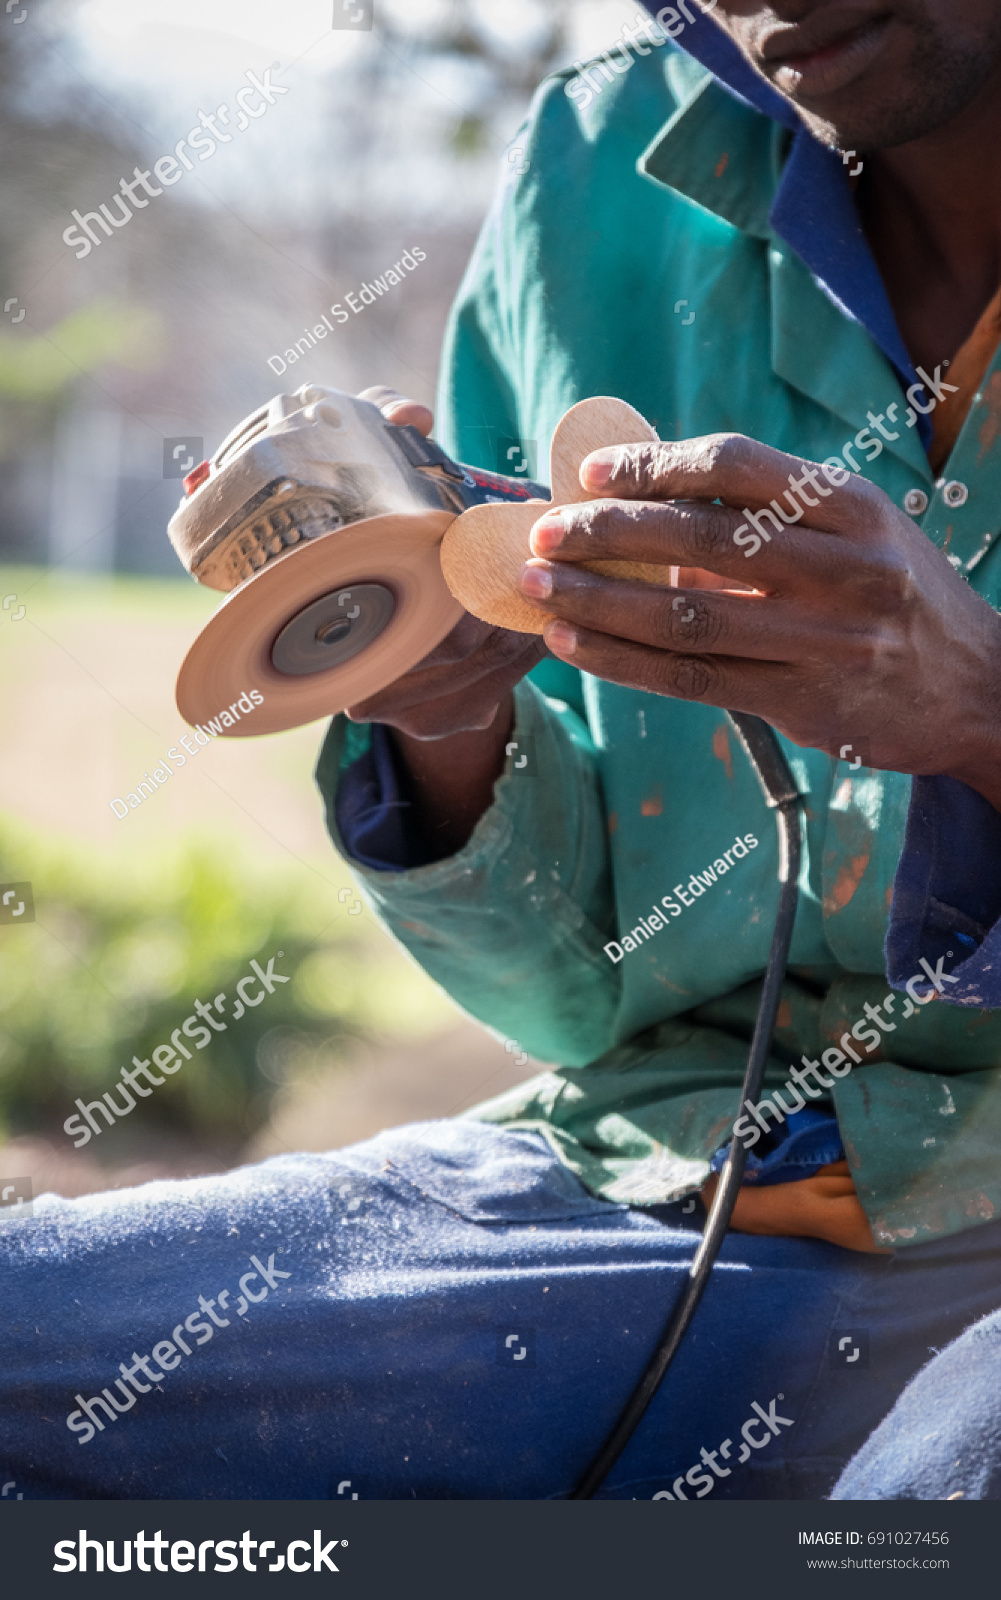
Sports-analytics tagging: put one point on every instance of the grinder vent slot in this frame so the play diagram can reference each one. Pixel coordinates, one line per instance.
(253, 546)
(241, 436)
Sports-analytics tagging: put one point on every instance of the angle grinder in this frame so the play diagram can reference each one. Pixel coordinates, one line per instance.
(349, 547)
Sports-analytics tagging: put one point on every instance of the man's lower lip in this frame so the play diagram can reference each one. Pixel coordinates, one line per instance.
(809, 77)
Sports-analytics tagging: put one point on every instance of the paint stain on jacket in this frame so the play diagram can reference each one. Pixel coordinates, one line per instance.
(845, 884)
(721, 748)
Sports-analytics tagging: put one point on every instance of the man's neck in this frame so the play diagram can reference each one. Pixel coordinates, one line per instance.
(931, 210)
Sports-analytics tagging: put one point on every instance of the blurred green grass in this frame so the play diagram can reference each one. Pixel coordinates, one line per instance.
(117, 956)
(136, 920)
(120, 951)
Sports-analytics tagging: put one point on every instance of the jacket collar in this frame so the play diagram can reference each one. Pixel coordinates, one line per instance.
(738, 149)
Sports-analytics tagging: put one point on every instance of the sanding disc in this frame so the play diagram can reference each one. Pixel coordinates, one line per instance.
(484, 550)
(369, 598)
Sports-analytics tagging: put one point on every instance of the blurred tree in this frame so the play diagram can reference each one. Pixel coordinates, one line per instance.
(396, 142)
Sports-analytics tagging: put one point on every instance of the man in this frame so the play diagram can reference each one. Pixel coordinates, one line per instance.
(863, 636)
(469, 1304)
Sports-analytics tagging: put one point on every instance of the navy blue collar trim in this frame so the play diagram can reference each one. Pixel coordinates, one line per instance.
(814, 207)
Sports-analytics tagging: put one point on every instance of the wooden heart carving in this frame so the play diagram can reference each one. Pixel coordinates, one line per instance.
(485, 548)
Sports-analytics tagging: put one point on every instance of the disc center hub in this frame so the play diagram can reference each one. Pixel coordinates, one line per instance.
(333, 629)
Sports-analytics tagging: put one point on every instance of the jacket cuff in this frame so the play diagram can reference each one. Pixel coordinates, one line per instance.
(368, 814)
(375, 817)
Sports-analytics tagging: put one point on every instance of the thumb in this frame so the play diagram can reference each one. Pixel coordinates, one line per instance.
(396, 408)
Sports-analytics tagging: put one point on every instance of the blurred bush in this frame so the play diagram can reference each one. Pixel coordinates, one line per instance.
(120, 950)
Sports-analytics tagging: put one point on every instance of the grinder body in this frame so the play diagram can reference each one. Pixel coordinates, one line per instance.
(322, 524)
(307, 464)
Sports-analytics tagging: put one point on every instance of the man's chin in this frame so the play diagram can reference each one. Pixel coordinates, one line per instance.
(874, 112)
(852, 122)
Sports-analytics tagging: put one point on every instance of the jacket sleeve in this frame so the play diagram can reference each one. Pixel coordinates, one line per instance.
(946, 912)
(513, 925)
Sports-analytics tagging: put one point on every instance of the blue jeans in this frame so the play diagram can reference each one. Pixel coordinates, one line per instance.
(942, 1440)
(442, 1312)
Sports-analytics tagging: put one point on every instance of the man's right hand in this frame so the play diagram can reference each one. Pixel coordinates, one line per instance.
(451, 714)
(459, 687)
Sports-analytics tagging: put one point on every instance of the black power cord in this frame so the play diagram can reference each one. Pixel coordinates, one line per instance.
(768, 761)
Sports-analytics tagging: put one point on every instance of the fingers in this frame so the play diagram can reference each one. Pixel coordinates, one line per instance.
(717, 538)
(720, 621)
(769, 689)
(468, 708)
(687, 534)
(737, 470)
(399, 410)
(459, 682)
(476, 647)
(469, 636)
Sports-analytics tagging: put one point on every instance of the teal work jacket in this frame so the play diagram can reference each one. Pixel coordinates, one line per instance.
(660, 194)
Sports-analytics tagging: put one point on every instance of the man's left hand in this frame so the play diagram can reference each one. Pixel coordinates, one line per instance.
(857, 628)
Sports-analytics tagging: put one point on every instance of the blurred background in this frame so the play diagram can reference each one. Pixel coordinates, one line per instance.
(389, 136)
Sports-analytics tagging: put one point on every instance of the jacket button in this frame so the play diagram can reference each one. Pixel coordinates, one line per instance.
(955, 493)
(915, 502)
